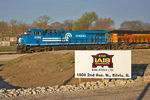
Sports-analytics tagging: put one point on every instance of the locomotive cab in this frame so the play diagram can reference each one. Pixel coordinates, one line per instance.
(30, 37)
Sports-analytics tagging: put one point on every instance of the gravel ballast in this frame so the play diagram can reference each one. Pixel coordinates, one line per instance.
(105, 83)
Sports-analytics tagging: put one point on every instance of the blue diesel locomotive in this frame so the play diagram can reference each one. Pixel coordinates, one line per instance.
(35, 40)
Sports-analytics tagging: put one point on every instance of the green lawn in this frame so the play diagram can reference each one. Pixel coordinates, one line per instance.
(7, 48)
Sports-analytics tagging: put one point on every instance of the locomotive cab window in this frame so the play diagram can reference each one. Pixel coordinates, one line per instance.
(37, 33)
(29, 32)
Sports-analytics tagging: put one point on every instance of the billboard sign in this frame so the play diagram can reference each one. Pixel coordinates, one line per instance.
(103, 64)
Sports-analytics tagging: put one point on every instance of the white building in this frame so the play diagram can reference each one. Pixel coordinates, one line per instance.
(4, 43)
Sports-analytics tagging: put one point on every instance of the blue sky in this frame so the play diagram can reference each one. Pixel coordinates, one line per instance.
(60, 10)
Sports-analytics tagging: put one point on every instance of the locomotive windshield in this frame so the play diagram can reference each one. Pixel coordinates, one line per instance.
(29, 32)
(26, 33)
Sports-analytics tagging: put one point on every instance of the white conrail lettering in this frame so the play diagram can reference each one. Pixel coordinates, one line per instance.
(37, 37)
(80, 35)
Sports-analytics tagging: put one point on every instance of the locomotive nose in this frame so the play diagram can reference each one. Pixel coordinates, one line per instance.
(19, 40)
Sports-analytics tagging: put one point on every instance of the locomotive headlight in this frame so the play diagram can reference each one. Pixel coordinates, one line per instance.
(19, 40)
(25, 33)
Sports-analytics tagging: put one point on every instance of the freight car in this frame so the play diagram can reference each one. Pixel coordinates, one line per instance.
(123, 39)
(35, 40)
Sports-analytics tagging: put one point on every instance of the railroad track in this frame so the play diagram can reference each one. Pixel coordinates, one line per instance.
(9, 53)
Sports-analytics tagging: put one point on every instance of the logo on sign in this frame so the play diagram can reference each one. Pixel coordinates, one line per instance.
(102, 60)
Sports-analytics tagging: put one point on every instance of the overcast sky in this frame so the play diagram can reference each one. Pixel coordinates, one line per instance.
(60, 10)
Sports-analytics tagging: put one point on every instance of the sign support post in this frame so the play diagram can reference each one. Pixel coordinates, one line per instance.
(79, 80)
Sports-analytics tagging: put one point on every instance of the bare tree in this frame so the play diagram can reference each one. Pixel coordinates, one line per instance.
(41, 22)
(68, 24)
(132, 25)
(56, 25)
(103, 24)
(13, 23)
(146, 26)
(4, 27)
(21, 27)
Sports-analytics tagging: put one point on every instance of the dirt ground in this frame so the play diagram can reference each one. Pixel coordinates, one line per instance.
(7, 56)
(49, 68)
(38, 69)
